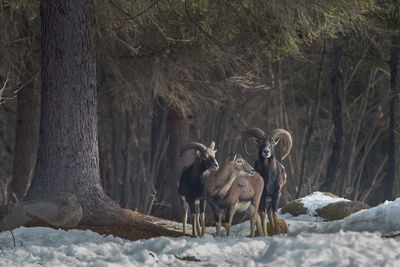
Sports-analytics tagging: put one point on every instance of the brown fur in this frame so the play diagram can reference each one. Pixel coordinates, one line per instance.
(231, 188)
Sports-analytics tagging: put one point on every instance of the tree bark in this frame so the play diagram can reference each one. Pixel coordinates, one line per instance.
(68, 158)
(393, 184)
(178, 135)
(28, 116)
(26, 140)
(334, 161)
(159, 140)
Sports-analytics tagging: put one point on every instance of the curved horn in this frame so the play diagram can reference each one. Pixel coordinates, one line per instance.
(282, 133)
(196, 146)
(252, 133)
(212, 145)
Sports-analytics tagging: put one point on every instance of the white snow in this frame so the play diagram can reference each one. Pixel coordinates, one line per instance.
(354, 241)
(318, 200)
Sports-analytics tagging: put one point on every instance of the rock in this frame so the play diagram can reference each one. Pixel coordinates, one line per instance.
(297, 208)
(340, 210)
(331, 212)
(294, 207)
(282, 227)
(62, 210)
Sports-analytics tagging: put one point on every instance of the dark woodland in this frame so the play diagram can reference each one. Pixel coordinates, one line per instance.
(98, 98)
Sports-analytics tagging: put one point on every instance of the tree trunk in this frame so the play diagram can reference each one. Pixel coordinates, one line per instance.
(334, 161)
(393, 185)
(178, 135)
(26, 140)
(159, 140)
(118, 154)
(68, 158)
(28, 116)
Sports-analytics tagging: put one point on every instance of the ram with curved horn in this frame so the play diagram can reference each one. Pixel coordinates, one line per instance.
(271, 170)
(191, 185)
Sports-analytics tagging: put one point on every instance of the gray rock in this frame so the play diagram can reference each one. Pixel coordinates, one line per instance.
(62, 210)
(340, 210)
(294, 207)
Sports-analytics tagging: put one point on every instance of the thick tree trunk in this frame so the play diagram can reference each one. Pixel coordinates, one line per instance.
(393, 185)
(178, 135)
(334, 161)
(68, 159)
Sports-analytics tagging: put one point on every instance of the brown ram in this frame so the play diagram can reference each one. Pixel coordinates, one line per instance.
(235, 187)
(271, 170)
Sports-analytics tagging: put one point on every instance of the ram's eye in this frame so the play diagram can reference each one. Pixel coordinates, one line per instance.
(240, 161)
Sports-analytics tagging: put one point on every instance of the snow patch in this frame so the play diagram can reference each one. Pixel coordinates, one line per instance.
(354, 241)
(85, 248)
(384, 218)
(318, 200)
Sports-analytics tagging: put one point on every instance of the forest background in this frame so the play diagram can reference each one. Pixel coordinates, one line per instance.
(172, 72)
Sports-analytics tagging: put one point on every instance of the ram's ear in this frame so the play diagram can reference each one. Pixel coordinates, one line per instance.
(234, 158)
(215, 151)
(198, 154)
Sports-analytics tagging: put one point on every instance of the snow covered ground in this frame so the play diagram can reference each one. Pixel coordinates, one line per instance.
(355, 241)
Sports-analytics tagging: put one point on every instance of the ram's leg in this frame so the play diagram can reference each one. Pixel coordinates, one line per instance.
(185, 213)
(230, 214)
(253, 217)
(276, 228)
(264, 222)
(257, 224)
(185, 217)
(203, 216)
(260, 229)
(197, 209)
(218, 219)
(218, 225)
(198, 226)
(194, 228)
(262, 208)
(274, 207)
(203, 223)
(271, 220)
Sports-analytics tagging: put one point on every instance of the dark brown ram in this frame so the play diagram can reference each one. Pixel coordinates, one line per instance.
(191, 185)
(271, 170)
